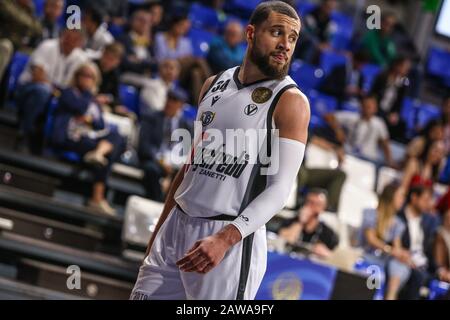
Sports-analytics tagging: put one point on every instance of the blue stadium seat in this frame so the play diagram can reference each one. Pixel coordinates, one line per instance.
(243, 8)
(39, 7)
(18, 64)
(200, 41)
(439, 62)
(437, 289)
(305, 7)
(427, 112)
(370, 71)
(330, 59)
(129, 96)
(116, 30)
(306, 75)
(321, 104)
(409, 113)
(342, 37)
(203, 17)
(189, 112)
(352, 106)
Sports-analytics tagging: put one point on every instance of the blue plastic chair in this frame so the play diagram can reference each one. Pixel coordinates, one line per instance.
(306, 75)
(321, 104)
(410, 113)
(305, 7)
(39, 7)
(427, 112)
(116, 30)
(189, 112)
(439, 62)
(203, 17)
(341, 39)
(330, 59)
(18, 64)
(370, 71)
(243, 8)
(437, 289)
(129, 96)
(200, 41)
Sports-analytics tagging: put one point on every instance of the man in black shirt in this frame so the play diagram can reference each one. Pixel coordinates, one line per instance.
(306, 230)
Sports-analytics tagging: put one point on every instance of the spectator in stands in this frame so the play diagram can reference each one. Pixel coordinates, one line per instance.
(174, 44)
(52, 66)
(108, 64)
(138, 47)
(425, 169)
(381, 233)
(433, 131)
(79, 127)
(227, 52)
(345, 82)
(306, 230)
(154, 93)
(418, 238)
(18, 23)
(97, 32)
(157, 11)
(317, 31)
(155, 144)
(331, 180)
(360, 134)
(117, 12)
(390, 88)
(379, 43)
(442, 244)
(53, 10)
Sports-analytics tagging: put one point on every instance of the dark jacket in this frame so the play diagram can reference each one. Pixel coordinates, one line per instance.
(336, 82)
(378, 89)
(139, 66)
(110, 84)
(72, 103)
(429, 225)
(152, 134)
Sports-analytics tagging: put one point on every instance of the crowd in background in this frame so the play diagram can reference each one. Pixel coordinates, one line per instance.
(150, 48)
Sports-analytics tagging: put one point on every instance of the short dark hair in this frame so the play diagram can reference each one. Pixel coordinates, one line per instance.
(95, 14)
(418, 190)
(263, 10)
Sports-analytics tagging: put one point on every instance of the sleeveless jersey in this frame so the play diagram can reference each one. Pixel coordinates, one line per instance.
(225, 187)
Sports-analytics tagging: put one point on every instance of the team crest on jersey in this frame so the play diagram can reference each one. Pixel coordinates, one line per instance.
(251, 109)
(261, 95)
(207, 117)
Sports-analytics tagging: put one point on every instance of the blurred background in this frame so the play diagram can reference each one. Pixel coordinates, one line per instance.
(91, 91)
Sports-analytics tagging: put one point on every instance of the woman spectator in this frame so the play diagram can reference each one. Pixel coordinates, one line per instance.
(79, 127)
(425, 169)
(433, 131)
(174, 44)
(381, 239)
(390, 88)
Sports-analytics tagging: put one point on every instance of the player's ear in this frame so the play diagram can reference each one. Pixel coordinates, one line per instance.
(249, 32)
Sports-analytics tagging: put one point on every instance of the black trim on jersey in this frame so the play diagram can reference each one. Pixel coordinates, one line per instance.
(257, 183)
(270, 115)
(243, 85)
(211, 85)
(247, 245)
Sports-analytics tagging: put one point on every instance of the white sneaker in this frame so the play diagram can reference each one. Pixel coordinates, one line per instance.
(102, 207)
(94, 158)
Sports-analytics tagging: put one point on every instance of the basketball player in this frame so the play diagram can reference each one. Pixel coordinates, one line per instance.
(210, 241)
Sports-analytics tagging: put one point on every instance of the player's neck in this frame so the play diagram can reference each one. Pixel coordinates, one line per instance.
(249, 73)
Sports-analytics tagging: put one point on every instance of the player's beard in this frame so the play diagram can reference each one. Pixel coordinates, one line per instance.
(263, 63)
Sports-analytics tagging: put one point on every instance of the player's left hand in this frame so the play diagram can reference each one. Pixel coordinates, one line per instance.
(204, 255)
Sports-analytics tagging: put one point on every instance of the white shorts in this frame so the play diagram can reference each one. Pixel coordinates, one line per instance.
(238, 276)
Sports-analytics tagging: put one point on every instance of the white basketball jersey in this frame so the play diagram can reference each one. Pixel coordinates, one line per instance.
(226, 186)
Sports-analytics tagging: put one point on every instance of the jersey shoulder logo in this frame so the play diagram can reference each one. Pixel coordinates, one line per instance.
(251, 109)
(207, 117)
(261, 95)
